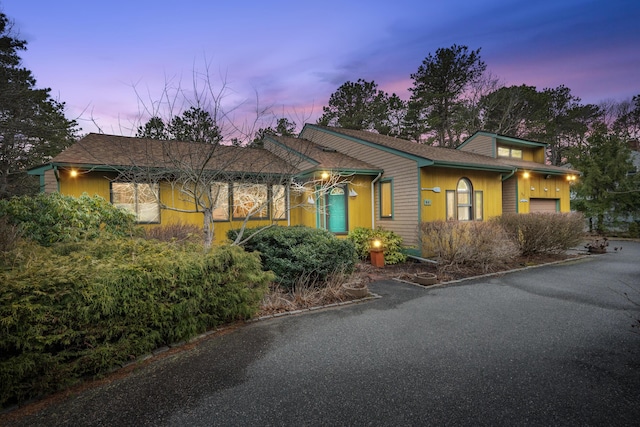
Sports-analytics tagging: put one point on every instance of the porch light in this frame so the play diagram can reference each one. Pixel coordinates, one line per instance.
(352, 193)
(324, 175)
(73, 173)
(434, 189)
(571, 177)
(311, 201)
(525, 175)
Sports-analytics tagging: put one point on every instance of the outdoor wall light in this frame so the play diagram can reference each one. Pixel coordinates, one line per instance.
(525, 175)
(352, 193)
(434, 189)
(73, 173)
(311, 201)
(324, 175)
(533, 188)
(545, 189)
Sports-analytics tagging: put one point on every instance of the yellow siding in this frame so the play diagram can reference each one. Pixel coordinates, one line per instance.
(537, 186)
(489, 183)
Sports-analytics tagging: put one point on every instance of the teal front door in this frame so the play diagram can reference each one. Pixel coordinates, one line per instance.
(334, 217)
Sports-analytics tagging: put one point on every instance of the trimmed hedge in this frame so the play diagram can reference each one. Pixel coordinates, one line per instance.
(79, 309)
(300, 253)
(53, 218)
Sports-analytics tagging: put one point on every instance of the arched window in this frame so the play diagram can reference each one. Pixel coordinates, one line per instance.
(463, 204)
(464, 197)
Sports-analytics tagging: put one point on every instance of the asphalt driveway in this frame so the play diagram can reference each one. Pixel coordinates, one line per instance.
(552, 345)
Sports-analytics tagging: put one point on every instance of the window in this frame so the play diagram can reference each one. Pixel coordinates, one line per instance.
(250, 200)
(140, 199)
(220, 201)
(463, 204)
(386, 199)
(514, 153)
(279, 195)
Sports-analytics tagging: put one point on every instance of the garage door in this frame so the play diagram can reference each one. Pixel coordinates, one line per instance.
(543, 205)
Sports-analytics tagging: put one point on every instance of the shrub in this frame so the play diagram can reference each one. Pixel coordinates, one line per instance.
(544, 233)
(9, 234)
(391, 242)
(176, 232)
(51, 218)
(300, 252)
(467, 244)
(68, 314)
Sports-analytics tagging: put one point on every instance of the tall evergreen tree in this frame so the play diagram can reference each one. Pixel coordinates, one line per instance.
(33, 127)
(608, 187)
(194, 125)
(437, 93)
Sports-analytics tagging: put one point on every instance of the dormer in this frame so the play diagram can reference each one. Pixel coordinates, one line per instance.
(505, 147)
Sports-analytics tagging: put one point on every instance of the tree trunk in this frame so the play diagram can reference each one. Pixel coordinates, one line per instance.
(208, 228)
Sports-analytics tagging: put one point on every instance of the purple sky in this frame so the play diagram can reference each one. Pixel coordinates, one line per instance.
(294, 54)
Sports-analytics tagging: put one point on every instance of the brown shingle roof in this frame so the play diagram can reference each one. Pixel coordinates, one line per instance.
(121, 151)
(445, 156)
(324, 157)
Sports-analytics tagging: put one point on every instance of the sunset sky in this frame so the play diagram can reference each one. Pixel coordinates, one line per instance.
(291, 55)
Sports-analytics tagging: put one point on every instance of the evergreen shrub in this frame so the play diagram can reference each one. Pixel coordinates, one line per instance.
(75, 310)
(298, 252)
(52, 218)
(391, 242)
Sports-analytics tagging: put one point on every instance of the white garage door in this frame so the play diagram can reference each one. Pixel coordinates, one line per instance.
(543, 205)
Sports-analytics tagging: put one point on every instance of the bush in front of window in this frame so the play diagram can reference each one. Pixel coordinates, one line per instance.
(544, 233)
(391, 242)
(456, 245)
(72, 314)
(299, 252)
(52, 218)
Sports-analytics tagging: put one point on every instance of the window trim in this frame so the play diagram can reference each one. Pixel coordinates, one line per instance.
(154, 187)
(475, 206)
(387, 181)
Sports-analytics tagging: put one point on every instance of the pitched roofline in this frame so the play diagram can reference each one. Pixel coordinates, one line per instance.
(422, 161)
(511, 139)
(291, 150)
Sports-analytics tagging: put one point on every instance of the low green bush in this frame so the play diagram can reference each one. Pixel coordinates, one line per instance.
(300, 253)
(76, 310)
(483, 245)
(544, 233)
(391, 242)
(52, 218)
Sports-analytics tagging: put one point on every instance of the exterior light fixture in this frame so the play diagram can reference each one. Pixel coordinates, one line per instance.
(352, 193)
(434, 189)
(311, 201)
(376, 253)
(324, 175)
(525, 175)
(73, 173)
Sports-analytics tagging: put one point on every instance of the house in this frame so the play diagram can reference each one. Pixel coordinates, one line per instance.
(331, 178)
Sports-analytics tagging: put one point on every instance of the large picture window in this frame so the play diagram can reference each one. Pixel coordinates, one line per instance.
(279, 196)
(220, 201)
(250, 200)
(464, 204)
(386, 199)
(140, 199)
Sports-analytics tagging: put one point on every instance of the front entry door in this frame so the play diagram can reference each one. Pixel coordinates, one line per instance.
(334, 215)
